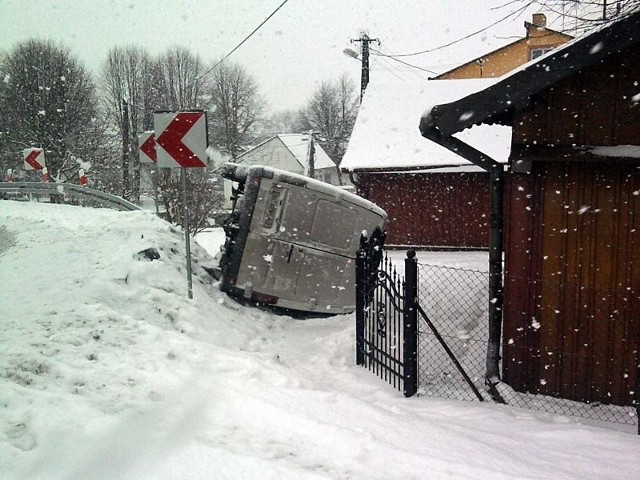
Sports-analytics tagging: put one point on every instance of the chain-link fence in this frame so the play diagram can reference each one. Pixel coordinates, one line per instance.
(549, 369)
(455, 300)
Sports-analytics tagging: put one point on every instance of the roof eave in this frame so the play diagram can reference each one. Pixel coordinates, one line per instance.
(403, 169)
(463, 149)
(498, 100)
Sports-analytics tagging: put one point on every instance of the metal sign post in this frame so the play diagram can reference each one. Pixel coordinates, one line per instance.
(187, 240)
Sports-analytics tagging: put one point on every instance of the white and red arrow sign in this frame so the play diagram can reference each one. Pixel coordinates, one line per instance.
(182, 139)
(33, 158)
(147, 149)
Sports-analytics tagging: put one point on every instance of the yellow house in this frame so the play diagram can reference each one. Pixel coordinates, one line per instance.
(538, 40)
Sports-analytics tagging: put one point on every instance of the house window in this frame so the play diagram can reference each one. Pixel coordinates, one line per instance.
(538, 52)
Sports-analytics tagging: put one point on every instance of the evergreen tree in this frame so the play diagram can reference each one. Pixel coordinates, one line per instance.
(48, 100)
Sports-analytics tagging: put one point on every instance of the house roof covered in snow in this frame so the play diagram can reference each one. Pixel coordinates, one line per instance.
(386, 135)
(497, 102)
(298, 145)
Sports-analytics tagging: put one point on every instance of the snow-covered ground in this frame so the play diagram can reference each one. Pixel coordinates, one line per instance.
(109, 371)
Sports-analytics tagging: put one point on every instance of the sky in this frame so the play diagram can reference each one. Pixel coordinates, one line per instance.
(109, 372)
(298, 48)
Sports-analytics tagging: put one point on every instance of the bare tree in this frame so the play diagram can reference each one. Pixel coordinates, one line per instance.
(204, 198)
(179, 83)
(331, 112)
(180, 80)
(577, 16)
(126, 81)
(235, 107)
(284, 121)
(48, 100)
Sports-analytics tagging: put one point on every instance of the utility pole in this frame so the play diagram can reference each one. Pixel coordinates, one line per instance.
(311, 156)
(364, 78)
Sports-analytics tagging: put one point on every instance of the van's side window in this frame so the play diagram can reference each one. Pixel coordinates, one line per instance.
(274, 201)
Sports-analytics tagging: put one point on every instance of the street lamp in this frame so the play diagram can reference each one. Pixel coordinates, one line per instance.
(350, 52)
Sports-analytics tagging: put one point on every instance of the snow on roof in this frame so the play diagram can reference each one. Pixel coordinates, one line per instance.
(622, 151)
(298, 144)
(387, 136)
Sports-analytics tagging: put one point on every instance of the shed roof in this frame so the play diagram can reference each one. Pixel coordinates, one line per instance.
(497, 102)
(386, 138)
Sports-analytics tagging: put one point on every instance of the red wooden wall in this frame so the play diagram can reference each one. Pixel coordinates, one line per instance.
(431, 209)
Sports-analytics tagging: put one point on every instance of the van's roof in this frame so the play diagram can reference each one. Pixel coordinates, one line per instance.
(237, 172)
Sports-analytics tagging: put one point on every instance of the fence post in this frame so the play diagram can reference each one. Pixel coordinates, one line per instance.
(410, 329)
(361, 285)
(492, 377)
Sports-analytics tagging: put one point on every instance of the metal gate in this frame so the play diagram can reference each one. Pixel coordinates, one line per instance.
(387, 313)
(422, 328)
(386, 332)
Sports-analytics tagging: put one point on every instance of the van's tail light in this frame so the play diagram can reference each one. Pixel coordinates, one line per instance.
(266, 299)
(255, 181)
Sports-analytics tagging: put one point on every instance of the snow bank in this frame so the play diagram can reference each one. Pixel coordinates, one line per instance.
(109, 371)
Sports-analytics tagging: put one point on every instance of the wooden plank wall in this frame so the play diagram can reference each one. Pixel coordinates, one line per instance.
(432, 210)
(593, 107)
(572, 281)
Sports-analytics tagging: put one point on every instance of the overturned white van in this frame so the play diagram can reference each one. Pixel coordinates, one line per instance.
(292, 241)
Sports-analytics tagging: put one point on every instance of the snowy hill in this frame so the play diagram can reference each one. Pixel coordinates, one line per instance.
(109, 371)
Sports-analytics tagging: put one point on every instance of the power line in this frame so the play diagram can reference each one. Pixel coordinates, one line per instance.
(506, 17)
(378, 66)
(375, 63)
(244, 40)
(389, 66)
(393, 57)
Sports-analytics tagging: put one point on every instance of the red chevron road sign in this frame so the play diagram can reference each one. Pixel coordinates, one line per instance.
(182, 139)
(33, 158)
(147, 149)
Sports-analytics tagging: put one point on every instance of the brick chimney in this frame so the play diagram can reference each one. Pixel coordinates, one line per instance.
(539, 19)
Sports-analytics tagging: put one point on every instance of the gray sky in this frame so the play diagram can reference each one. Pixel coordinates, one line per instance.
(300, 46)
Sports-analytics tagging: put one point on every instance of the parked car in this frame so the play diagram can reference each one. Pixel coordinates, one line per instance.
(291, 241)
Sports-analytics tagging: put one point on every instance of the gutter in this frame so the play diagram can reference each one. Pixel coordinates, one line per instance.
(496, 171)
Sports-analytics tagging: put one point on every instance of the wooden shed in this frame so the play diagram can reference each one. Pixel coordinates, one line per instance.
(571, 316)
(433, 196)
